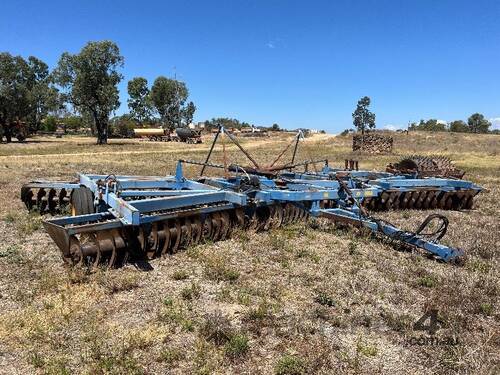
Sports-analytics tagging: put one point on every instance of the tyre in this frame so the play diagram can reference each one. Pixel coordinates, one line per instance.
(82, 201)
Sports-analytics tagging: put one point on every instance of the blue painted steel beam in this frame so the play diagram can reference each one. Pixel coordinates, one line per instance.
(337, 214)
(123, 210)
(424, 182)
(295, 196)
(159, 204)
(52, 185)
(175, 215)
(159, 193)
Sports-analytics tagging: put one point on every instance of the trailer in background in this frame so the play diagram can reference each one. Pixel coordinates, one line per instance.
(164, 135)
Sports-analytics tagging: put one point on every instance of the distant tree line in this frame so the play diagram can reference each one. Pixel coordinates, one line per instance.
(364, 120)
(476, 123)
(27, 92)
(82, 91)
(229, 123)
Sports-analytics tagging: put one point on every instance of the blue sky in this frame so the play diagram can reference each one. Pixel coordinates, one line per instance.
(296, 63)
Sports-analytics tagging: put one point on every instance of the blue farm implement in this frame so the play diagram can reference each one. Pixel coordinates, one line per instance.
(121, 218)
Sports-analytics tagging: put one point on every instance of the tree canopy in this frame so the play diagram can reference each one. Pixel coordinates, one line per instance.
(432, 125)
(42, 96)
(458, 126)
(139, 102)
(188, 113)
(362, 118)
(478, 124)
(168, 97)
(90, 82)
(26, 92)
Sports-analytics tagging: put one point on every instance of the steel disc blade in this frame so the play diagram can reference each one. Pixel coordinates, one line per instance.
(197, 230)
(178, 235)
(253, 221)
(216, 224)
(225, 225)
(41, 200)
(186, 232)
(239, 217)
(207, 228)
(166, 241)
(421, 199)
(151, 242)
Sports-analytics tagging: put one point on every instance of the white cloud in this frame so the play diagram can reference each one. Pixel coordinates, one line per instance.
(495, 122)
(392, 127)
(442, 122)
(274, 43)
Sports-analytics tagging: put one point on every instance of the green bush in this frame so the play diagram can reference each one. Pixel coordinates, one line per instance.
(50, 124)
(236, 346)
(290, 365)
(121, 127)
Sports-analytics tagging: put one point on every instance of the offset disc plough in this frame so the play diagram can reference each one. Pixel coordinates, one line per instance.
(426, 166)
(121, 218)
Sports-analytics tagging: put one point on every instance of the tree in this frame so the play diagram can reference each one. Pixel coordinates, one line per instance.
(275, 127)
(458, 126)
(228, 123)
(431, 125)
(478, 124)
(42, 96)
(362, 118)
(140, 101)
(188, 113)
(168, 96)
(14, 95)
(90, 82)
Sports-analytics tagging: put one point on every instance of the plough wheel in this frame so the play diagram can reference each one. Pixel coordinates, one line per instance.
(82, 201)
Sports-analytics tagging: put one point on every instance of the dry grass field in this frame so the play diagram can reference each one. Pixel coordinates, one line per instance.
(297, 300)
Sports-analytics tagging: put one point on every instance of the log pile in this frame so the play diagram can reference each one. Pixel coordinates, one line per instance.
(372, 143)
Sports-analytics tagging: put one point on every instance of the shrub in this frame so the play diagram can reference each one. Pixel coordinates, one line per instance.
(191, 292)
(290, 365)
(324, 299)
(486, 309)
(180, 275)
(216, 269)
(118, 281)
(427, 281)
(50, 124)
(170, 356)
(236, 346)
(216, 328)
(260, 313)
(366, 350)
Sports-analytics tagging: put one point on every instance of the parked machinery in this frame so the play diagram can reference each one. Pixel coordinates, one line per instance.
(188, 135)
(153, 134)
(120, 218)
(426, 166)
(164, 135)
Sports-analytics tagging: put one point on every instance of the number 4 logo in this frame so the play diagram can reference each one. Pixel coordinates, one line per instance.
(432, 327)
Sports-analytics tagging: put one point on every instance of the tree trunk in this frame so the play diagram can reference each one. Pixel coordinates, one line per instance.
(8, 133)
(102, 130)
(102, 134)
